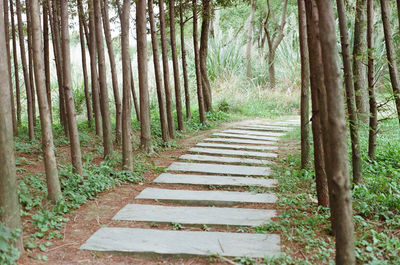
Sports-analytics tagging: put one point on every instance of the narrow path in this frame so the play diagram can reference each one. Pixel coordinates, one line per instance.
(230, 161)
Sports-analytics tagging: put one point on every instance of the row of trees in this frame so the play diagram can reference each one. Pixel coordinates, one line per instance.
(49, 20)
(321, 71)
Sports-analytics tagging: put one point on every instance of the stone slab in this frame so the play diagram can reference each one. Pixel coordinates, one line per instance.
(250, 132)
(194, 215)
(215, 180)
(231, 152)
(182, 243)
(236, 146)
(246, 136)
(264, 128)
(219, 169)
(225, 159)
(238, 141)
(206, 197)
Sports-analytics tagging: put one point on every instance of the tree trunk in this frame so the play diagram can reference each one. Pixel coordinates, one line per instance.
(157, 73)
(81, 17)
(15, 58)
(114, 77)
(30, 59)
(249, 39)
(93, 70)
(104, 105)
(391, 56)
(126, 74)
(271, 69)
(318, 102)
(168, 96)
(134, 97)
(337, 168)
(305, 83)
(46, 49)
(205, 82)
(141, 34)
(53, 182)
(10, 214)
(200, 98)
(350, 98)
(69, 97)
(184, 64)
(25, 71)
(359, 66)
(177, 81)
(373, 118)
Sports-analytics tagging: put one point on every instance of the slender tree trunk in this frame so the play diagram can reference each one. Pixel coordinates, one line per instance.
(53, 183)
(271, 69)
(15, 58)
(157, 73)
(350, 98)
(10, 214)
(359, 67)
(30, 59)
(126, 74)
(338, 176)
(134, 97)
(46, 50)
(81, 16)
(249, 39)
(114, 77)
(373, 118)
(305, 83)
(141, 34)
(69, 98)
(168, 93)
(205, 82)
(104, 105)
(93, 70)
(25, 71)
(177, 81)
(200, 98)
(318, 96)
(391, 56)
(184, 64)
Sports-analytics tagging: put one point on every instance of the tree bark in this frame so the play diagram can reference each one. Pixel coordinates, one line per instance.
(46, 50)
(53, 182)
(134, 97)
(318, 102)
(205, 82)
(305, 83)
(114, 77)
(373, 118)
(9, 203)
(359, 66)
(184, 64)
(249, 39)
(337, 168)
(16, 69)
(104, 105)
(69, 97)
(350, 98)
(28, 90)
(391, 55)
(157, 73)
(93, 70)
(177, 81)
(141, 34)
(126, 74)
(30, 59)
(168, 95)
(200, 98)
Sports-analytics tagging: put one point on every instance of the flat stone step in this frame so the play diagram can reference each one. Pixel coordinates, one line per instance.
(231, 152)
(250, 132)
(246, 136)
(207, 197)
(194, 215)
(215, 180)
(238, 141)
(236, 146)
(225, 159)
(264, 128)
(219, 169)
(182, 243)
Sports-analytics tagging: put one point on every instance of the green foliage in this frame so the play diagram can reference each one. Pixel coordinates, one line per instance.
(8, 253)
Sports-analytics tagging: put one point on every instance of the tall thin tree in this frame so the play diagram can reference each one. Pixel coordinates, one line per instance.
(249, 39)
(15, 59)
(46, 50)
(184, 64)
(203, 51)
(373, 118)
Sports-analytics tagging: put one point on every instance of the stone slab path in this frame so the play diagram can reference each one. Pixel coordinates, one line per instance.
(234, 158)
